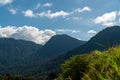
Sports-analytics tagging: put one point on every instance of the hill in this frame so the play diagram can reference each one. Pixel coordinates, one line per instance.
(14, 51)
(57, 45)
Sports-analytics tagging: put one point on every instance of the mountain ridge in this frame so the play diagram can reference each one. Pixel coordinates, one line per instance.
(57, 45)
(111, 35)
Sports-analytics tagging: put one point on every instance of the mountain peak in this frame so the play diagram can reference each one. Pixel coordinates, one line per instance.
(58, 45)
(108, 34)
(61, 36)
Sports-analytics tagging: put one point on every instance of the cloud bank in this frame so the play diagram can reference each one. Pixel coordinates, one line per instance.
(28, 33)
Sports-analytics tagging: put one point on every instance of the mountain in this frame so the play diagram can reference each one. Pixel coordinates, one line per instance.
(57, 45)
(14, 51)
(105, 39)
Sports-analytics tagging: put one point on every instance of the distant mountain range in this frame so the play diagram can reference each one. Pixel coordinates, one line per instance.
(41, 60)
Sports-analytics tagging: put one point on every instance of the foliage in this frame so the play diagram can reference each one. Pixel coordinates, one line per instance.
(94, 66)
(9, 77)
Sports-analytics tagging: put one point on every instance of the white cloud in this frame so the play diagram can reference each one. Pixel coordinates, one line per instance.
(107, 19)
(47, 5)
(67, 31)
(50, 14)
(13, 11)
(27, 33)
(43, 5)
(4, 2)
(28, 13)
(79, 10)
(92, 32)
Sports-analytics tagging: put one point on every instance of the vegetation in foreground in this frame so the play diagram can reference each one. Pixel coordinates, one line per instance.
(10, 77)
(94, 66)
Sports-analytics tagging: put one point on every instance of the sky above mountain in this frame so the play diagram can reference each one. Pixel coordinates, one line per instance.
(39, 20)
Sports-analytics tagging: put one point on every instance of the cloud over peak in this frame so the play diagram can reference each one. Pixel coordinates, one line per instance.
(29, 33)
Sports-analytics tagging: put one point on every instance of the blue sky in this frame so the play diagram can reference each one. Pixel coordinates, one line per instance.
(81, 19)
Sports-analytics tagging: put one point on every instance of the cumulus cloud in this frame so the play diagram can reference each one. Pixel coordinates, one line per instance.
(4, 2)
(92, 32)
(47, 5)
(29, 33)
(67, 31)
(28, 13)
(107, 19)
(13, 11)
